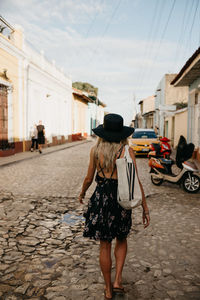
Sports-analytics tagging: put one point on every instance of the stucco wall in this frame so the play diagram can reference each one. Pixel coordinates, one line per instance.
(148, 104)
(177, 126)
(80, 116)
(50, 101)
(194, 113)
(180, 126)
(174, 94)
(11, 59)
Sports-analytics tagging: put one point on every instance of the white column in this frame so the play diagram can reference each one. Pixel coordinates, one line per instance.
(10, 117)
(20, 104)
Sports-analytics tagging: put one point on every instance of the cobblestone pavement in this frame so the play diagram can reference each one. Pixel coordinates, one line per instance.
(44, 256)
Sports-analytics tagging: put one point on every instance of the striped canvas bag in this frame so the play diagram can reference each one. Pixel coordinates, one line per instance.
(129, 192)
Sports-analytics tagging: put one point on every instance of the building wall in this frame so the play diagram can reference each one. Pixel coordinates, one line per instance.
(166, 96)
(180, 126)
(159, 100)
(48, 97)
(149, 121)
(11, 59)
(194, 113)
(174, 94)
(80, 116)
(95, 116)
(176, 125)
(148, 104)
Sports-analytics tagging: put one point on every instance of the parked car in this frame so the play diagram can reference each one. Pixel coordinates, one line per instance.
(142, 139)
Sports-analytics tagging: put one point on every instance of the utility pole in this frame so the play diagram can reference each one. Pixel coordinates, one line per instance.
(134, 110)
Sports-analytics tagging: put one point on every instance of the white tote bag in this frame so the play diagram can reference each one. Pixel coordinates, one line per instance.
(129, 191)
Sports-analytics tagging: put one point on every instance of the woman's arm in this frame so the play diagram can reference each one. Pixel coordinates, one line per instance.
(146, 217)
(89, 177)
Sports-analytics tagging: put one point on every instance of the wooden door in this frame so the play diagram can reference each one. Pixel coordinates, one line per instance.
(3, 116)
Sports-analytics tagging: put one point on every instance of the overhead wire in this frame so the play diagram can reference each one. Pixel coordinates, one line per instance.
(178, 47)
(105, 30)
(152, 37)
(192, 25)
(146, 48)
(161, 39)
(182, 55)
(80, 50)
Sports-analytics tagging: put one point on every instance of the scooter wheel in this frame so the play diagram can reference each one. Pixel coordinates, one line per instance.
(191, 183)
(156, 181)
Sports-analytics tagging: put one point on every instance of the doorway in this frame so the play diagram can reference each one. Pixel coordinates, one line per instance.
(3, 116)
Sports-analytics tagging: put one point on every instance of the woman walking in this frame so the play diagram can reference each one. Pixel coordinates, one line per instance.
(41, 136)
(106, 220)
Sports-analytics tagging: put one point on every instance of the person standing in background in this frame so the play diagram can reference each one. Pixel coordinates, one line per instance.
(41, 136)
(34, 138)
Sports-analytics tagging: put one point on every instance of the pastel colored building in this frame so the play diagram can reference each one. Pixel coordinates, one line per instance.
(166, 98)
(189, 76)
(48, 93)
(80, 114)
(147, 108)
(12, 98)
(176, 125)
(96, 114)
(31, 89)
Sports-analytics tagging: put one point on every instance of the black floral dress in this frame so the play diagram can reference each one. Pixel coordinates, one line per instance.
(105, 218)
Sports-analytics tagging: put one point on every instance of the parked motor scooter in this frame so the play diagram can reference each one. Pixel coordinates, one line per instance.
(161, 168)
(163, 149)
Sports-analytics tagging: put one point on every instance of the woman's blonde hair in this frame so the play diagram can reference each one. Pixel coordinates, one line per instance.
(107, 151)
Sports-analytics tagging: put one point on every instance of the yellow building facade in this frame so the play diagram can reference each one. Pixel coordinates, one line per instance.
(80, 115)
(11, 89)
(176, 125)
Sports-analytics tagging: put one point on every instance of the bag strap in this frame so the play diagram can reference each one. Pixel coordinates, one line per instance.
(120, 152)
(134, 161)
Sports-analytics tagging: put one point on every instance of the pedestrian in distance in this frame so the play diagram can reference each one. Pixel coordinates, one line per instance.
(34, 138)
(105, 219)
(41, 136)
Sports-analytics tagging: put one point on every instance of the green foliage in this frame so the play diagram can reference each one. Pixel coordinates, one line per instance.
(180, 105)
(84, 86)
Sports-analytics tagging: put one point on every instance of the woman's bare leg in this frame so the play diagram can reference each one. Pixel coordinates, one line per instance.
(40, 148)
(120, 256)
(106, 265)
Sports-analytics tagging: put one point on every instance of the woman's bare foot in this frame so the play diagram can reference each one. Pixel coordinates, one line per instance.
(108, 293)
(118, 287)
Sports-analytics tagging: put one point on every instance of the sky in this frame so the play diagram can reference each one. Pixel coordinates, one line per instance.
(123, 47)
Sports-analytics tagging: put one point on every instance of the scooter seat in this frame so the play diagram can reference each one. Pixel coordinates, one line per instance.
(167, 161)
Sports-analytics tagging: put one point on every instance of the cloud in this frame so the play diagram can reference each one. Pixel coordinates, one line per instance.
(119, 67)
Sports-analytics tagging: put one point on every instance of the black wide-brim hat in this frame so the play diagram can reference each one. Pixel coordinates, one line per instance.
(113, 129)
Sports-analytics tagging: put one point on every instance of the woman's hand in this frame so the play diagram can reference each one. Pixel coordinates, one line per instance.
(146, 218)
(81, 197)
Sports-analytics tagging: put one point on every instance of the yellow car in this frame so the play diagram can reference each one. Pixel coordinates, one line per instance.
(142, 139)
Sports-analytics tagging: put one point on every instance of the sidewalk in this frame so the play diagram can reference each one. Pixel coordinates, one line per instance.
(16, 158)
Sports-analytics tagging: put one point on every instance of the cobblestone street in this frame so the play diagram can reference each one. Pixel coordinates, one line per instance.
(44, 256)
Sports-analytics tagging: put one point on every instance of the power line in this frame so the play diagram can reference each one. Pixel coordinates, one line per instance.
(105, 30)
(163, 34)
(182, 57)
(194, 17)
(153, 36)
(166, 25)
(181, 33)
(146, 48)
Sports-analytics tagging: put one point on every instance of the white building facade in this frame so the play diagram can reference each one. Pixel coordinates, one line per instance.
(48, 96)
